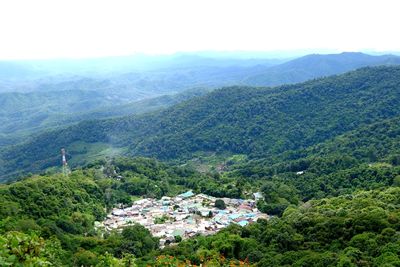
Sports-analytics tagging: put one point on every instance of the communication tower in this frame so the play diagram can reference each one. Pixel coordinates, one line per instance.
(65, 169)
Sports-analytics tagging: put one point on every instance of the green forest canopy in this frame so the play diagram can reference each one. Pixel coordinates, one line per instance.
(333, 188)
(259, 122)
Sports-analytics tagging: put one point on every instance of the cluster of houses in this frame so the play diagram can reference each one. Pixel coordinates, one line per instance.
(183, 216)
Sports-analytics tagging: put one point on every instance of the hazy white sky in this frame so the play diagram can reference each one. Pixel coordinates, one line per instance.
(86, 28)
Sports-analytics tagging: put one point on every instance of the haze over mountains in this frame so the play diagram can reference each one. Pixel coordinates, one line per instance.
(317, 138)
(254, 121)
(314, 66)
(39, 95)
(199, 133)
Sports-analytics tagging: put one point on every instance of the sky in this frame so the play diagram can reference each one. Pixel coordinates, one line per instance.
(43, 29)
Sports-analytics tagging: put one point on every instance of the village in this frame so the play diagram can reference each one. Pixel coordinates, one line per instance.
(184, 216)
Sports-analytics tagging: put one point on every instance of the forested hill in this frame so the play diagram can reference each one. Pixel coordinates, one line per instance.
(33, 104)
(314, 66)
(27, 114)
(365, 158)
(256, 121)
(50, 221)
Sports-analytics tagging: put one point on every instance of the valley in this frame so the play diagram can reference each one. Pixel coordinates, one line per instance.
(255, 121)
(179, 133)
(298, 174)
(184, 216)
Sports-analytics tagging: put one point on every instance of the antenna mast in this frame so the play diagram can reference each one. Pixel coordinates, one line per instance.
(65, 168)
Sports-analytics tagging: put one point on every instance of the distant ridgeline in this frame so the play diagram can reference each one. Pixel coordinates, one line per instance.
(263, 123)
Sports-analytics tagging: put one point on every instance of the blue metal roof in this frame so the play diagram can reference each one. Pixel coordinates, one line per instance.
(234, 216)
(187, 194)
(243, 223)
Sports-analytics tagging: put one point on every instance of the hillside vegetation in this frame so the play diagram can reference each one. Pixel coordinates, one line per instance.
(52, 217)
(314, 66)
(361, 229)
(366, 158)
(324, 154)
(42, 95)
(260, 122)
(27, 114)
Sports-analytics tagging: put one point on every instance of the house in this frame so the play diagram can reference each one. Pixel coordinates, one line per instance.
(118, 213)
(244, 207)
(186, 195)
(257, 196)
(192, 216)
(243, 223)
(178, 232)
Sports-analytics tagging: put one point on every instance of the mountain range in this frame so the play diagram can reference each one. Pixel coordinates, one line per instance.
(41, 95)
(259, 122)
(314, 140)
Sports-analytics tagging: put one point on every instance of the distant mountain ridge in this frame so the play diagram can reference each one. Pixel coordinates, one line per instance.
(259, 122)
(111, 82)
(26, 114)
(184, 71)
(315, 65)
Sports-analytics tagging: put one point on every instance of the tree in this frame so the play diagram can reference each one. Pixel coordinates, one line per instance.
(137, 240)
(396, 180)
(19, 249)
(85, 258)
(107, 260)
(220, 204)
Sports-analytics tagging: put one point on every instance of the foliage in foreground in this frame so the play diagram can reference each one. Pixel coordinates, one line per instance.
(64, 209)
(53, 217)
(361, 229)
